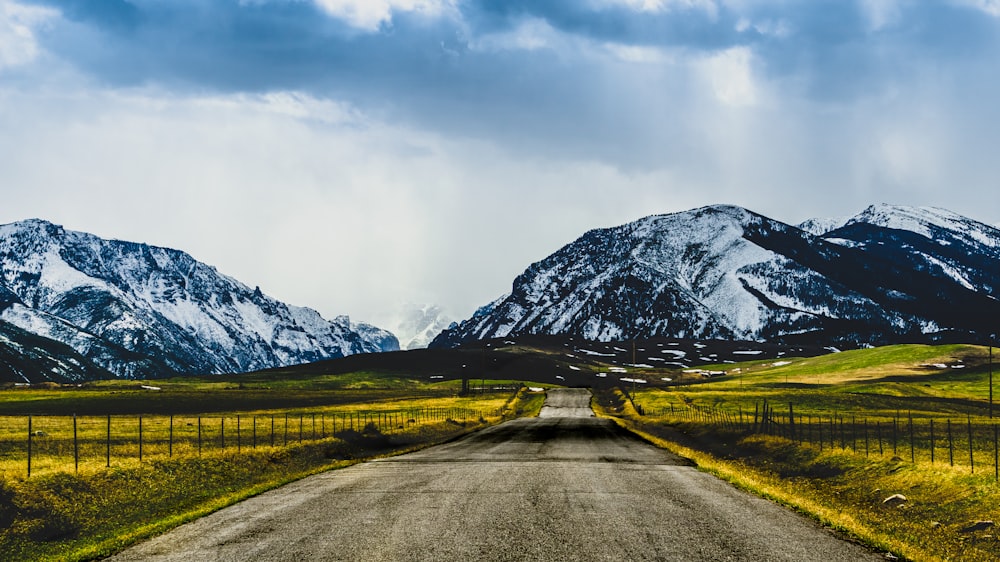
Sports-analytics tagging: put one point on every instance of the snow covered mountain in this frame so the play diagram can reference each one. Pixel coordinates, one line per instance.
(140, 311)
(889, 274)
(419, 324)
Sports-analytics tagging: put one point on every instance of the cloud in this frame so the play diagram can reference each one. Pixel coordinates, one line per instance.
(368, 144)
(730, 74)
(991, 7)
(370, 15)
(18, 25)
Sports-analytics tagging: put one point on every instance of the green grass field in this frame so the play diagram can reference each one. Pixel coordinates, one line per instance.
(205, 443)
(847, 431)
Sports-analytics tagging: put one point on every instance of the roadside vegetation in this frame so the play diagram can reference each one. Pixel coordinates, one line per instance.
(894, 446)
(76, 507)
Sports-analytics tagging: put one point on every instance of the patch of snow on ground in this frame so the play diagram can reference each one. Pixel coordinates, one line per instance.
(666, 379)
(639, 365)
(574, 368)
(594, 353)
(781, 363)
(675, 352)
(748, 352)
(637, 381)
(602, 375)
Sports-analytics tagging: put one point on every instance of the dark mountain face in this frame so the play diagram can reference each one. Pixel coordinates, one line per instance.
(890, 274)
(140, 311)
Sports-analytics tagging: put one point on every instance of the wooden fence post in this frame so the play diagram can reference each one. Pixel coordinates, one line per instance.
(108, 450)
(30, 437)
(170, 439)
(140, 438)
(76, 447)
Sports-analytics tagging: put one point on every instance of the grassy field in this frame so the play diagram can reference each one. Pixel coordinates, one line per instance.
(71, 511)
(838, 442)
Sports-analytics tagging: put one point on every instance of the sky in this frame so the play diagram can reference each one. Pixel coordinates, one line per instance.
(354, 156)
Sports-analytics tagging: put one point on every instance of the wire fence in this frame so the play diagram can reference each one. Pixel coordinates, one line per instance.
(33, 444)
(963, 442)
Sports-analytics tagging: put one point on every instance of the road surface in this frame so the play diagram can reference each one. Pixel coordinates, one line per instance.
(563, 486)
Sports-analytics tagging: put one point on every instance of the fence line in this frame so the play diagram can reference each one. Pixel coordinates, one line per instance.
(52, 442)
(972, 446)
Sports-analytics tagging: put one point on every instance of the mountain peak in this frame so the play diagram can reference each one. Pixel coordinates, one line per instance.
(928, 222)
(724, 272)
(39, 226)
(140, 310)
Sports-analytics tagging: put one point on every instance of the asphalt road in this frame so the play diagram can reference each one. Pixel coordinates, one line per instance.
(564, 486)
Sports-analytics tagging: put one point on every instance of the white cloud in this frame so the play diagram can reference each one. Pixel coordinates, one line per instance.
(529, 35)
(638, 54)
(991, 7)
(656, 6)
(369, 15)
(730, 76)
(880, 13)
(768, 27)
(17, 32)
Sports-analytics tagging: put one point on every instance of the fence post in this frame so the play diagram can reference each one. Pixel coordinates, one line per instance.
(30, 437)
(199, 436)
(140, 438)
(996, 455)
(255, 432)
(170, 440)
(913, 452)
(108, 450)
(76, 447)
(791, 422)
(238, 444)
(222, 431)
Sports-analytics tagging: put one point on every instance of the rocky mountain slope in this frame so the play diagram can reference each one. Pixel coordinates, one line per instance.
(140, 311)
(886, 275)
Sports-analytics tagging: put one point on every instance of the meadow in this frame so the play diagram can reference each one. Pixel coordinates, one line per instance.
(181, 448)
(895, 446)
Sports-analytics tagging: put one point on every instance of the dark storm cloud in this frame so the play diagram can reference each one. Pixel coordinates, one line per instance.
(569, 95)
(418, 64)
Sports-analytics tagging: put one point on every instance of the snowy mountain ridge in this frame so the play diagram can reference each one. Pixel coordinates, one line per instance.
(141, 311)
(887, 274)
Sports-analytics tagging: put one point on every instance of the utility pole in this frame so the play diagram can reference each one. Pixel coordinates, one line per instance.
(991, 379)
